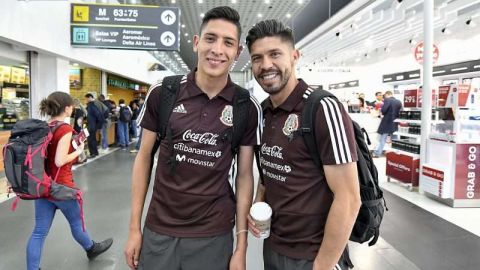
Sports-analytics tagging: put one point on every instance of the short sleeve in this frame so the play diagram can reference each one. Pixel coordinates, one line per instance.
(254, 129)
(149, 115)
(335, 135)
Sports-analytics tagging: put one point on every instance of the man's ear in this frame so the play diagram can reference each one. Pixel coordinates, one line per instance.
(296, 55)
(196, 39)
(240, 49)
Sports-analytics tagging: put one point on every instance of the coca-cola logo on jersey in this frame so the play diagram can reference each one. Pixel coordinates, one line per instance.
(273, 151)
(207, 138)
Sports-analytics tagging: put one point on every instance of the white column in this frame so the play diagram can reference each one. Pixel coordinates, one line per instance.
(427, 77)
(47, 74)
(103, 91)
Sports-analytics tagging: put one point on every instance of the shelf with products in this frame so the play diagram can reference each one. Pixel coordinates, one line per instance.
(452, 159)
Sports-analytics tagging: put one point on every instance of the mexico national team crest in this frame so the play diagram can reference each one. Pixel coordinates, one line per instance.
(227, 116)
(291, 124)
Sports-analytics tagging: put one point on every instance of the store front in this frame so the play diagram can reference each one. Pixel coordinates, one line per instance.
(14, 91)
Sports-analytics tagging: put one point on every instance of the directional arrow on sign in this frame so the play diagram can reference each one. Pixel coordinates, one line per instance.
(167, 39)
(168, 17)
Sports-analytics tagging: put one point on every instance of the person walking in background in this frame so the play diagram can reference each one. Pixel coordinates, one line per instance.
(314, 209)
(141, 101)
(60, 157)
(124, 118)
(191, 216)
(103, 133)
(135, 112)
(95, 122)
(79, 115)
(390, 110)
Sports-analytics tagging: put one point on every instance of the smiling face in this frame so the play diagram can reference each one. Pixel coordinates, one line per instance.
(273, 62)
(217, 47)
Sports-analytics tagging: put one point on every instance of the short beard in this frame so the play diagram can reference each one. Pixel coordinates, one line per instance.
(273, 90)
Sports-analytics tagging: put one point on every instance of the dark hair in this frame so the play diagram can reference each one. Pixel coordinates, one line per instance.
(224, 13)
(270, 28)
(101, 97)
(121, 101)
(89, 95)
(55, 104)
(378, 93)
(389, 93)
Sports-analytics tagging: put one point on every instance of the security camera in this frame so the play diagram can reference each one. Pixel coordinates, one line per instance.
(468, 22)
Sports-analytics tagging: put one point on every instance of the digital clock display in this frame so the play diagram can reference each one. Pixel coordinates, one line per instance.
(125, 13)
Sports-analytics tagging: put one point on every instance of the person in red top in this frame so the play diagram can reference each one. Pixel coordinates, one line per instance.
(314, 209)
(60, 157)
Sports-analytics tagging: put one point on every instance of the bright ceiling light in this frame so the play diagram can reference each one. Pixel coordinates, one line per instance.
(189, 41)
(234, 1)
(300, 1)
(288, 15)
(173, 1)
(202, 15)
(259, 15)
(183, 25)
(267, 1)
(186, 34)
(200, 1)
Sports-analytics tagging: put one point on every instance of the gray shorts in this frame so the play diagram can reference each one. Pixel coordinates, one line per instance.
(275, 261)
(165, 252)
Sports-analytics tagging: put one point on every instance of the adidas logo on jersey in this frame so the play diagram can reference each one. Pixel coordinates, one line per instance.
(180, 109)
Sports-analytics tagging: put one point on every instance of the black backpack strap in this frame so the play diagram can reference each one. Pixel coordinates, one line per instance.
(168, 95)
(241, 108)
(307, 128)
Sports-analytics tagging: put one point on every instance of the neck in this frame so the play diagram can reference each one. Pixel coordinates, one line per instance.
(57, 118)
(280, 97)
(210, 85)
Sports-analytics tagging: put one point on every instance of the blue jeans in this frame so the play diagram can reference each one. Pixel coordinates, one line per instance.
(139, 142)
(381, 144)
(122, 131)
(133, 128)
(44, 214)
(104, 136)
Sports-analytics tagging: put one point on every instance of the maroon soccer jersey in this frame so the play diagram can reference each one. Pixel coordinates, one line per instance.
(295, 187)
(196, 200)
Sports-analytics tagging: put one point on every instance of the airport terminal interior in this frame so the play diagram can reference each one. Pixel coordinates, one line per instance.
(359, 50)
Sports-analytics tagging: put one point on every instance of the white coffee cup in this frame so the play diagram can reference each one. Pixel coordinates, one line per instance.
(261, 214)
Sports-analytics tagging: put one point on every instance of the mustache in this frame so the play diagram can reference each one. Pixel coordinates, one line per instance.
(269, 71)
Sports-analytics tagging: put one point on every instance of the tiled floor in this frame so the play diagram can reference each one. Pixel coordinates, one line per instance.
(412, 238)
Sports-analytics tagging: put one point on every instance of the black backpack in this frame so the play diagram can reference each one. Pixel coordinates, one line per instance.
(125, 114)
(169, 92)
(367, 225)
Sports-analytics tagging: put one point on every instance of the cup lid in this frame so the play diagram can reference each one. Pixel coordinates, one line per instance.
(261, 211)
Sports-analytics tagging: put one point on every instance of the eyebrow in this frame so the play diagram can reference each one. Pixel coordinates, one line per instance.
(269, 51)
(227, 38)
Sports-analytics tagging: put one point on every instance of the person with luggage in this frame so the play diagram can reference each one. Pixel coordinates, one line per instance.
(314, 207)
(124, 119)
(60, 157)
(192, 211)
(95, 122)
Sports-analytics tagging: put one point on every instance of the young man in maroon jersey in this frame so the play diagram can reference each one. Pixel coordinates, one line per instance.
(314, 208)
(192, 212)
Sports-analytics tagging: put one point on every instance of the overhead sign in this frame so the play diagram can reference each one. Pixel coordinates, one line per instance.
(418, 53)
(125, 27)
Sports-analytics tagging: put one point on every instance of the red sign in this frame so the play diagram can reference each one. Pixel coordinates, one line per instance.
(410, 98)
(467, 172)
(403, 168)
(433, 173)
(443, 95)
(420, 98)
(463, 93)
(418, 53)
